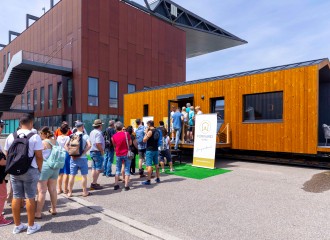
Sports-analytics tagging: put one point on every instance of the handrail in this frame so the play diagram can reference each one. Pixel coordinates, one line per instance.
(35, 57)
(226, 130)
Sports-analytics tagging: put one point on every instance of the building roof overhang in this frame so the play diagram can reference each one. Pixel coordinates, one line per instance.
(202, 37)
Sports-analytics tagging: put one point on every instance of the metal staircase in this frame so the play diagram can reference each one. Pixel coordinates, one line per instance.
(19, 71)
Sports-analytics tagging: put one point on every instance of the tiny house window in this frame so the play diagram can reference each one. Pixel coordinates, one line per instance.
(263, 107)
(218, 106)
(145, 110)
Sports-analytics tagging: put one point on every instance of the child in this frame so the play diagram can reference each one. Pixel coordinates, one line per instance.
(166, 152)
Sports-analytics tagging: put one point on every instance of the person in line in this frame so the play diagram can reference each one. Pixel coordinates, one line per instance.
(142, 146)
(151, 138)
(133, 147)
(177, 125)
(166, 154)
(79, 162)
(185, 123)
(48, 176)
(3, 187)
(97, 151)
(25, 185)
(58, 131)
(74, 130)
(109, 150)
(65, 171)
(198, 110)
(121, 141)
(191, 124)
(171, 124)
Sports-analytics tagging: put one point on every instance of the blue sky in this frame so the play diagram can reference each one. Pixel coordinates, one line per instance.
(278, 32)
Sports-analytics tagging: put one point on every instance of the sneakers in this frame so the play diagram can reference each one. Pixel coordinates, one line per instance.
(146, 182)
(4, 221)
(36, 227)
(127, 188)
(95, 186)
(163, 170)
(172, 170)
(116, 187)
(20, 228)
(157, 180)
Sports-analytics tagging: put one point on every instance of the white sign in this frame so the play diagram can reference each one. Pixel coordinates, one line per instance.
(205, 140)
(146, 119)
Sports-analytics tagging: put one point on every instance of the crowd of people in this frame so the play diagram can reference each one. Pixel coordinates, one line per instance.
(29, 180)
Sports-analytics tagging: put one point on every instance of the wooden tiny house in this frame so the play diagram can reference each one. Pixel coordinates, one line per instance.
(278, 109)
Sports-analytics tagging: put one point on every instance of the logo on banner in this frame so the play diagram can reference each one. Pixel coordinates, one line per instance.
(205, 127)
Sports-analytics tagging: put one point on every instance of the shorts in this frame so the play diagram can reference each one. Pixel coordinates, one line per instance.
(190, 128)
(66, 168)
(119, 162)
(165, 154)
(79, 163)
(151, 158)
(142, 153)
(97, 160)
(25, 185)
(48, 173)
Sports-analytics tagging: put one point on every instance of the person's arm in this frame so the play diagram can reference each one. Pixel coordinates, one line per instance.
(113, 142)
(135, 143)
(39, 158)
(88, 146)
(66, 145)
(3, 162)
(100, 147)
(147, 136)
(129, 139)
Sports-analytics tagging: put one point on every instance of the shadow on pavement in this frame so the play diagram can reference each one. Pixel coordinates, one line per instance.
(69, 226)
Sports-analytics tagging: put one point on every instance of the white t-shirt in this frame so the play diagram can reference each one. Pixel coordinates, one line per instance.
(35, 144)
(62, 139)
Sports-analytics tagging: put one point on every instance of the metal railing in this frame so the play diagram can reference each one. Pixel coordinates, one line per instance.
(39, 58)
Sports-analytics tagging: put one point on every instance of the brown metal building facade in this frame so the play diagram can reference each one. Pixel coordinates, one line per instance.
(108, 41)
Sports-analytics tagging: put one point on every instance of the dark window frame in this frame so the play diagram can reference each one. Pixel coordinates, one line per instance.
(213, 106)
(4, 63)
(42, 98)
(50, 96)
(59, 94)
(28, 99)
(114, 101)
(8, 59)
(145, 110)
(70, 92)
(35, 99)
(264, 107)
(93, 100)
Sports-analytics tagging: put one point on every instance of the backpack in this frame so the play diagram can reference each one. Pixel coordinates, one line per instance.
(56, 158)
(139, 135)
(160, 137)
(162, 147)
(75, 147)
(18, 160)
(107, 139)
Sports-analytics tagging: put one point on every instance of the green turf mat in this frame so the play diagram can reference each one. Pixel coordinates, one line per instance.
(188, 171)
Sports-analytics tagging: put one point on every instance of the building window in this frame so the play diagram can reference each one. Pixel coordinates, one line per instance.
(59, 94)
(263, 106)
(42, 98)
(28, 97)
(113, 101)
(218, 106)
(145, 110)
(69, 92)
(8, 58)
(50, 96)
(35, 99)
(22, 101)
(4, 63)
(93, 91)
(131, 88)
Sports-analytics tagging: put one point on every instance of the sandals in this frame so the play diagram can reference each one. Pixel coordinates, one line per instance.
(89, 194)
(59, 192)
(51, 212)
(37, 217)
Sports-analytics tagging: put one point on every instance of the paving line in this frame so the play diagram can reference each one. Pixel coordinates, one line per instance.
(124, 223)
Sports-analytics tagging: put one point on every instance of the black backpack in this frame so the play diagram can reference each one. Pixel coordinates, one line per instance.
(18, 160)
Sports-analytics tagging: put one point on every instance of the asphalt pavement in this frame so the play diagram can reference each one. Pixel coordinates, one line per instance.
(253, 201)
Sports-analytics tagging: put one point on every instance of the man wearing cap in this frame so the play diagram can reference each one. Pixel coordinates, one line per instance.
(97, 152)
(109, 149)
(80, 162)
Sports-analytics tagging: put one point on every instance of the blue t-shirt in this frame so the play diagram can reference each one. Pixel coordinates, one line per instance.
(177, 122)
(191, 118)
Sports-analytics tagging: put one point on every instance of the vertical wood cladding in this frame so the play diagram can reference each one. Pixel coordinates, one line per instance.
(121, 43)
(297, 133)
(51, 35)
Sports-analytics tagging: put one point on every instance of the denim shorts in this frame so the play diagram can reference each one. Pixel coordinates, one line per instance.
(79, 163)
(48, 173)
(66, 168)
(151, 158)
(97, 160)
(25, 185)
(119, 162)
(165, 154)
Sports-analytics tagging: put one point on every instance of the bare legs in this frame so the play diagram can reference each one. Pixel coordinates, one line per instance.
(62, 178)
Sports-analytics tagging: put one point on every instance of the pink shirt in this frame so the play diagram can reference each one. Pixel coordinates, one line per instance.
(119, 141)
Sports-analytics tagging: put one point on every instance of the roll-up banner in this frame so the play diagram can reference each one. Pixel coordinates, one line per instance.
(205, 140)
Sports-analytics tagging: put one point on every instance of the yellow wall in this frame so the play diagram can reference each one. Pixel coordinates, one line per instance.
(297, 133)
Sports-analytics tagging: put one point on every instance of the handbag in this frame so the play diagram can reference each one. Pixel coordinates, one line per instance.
(130, 154)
